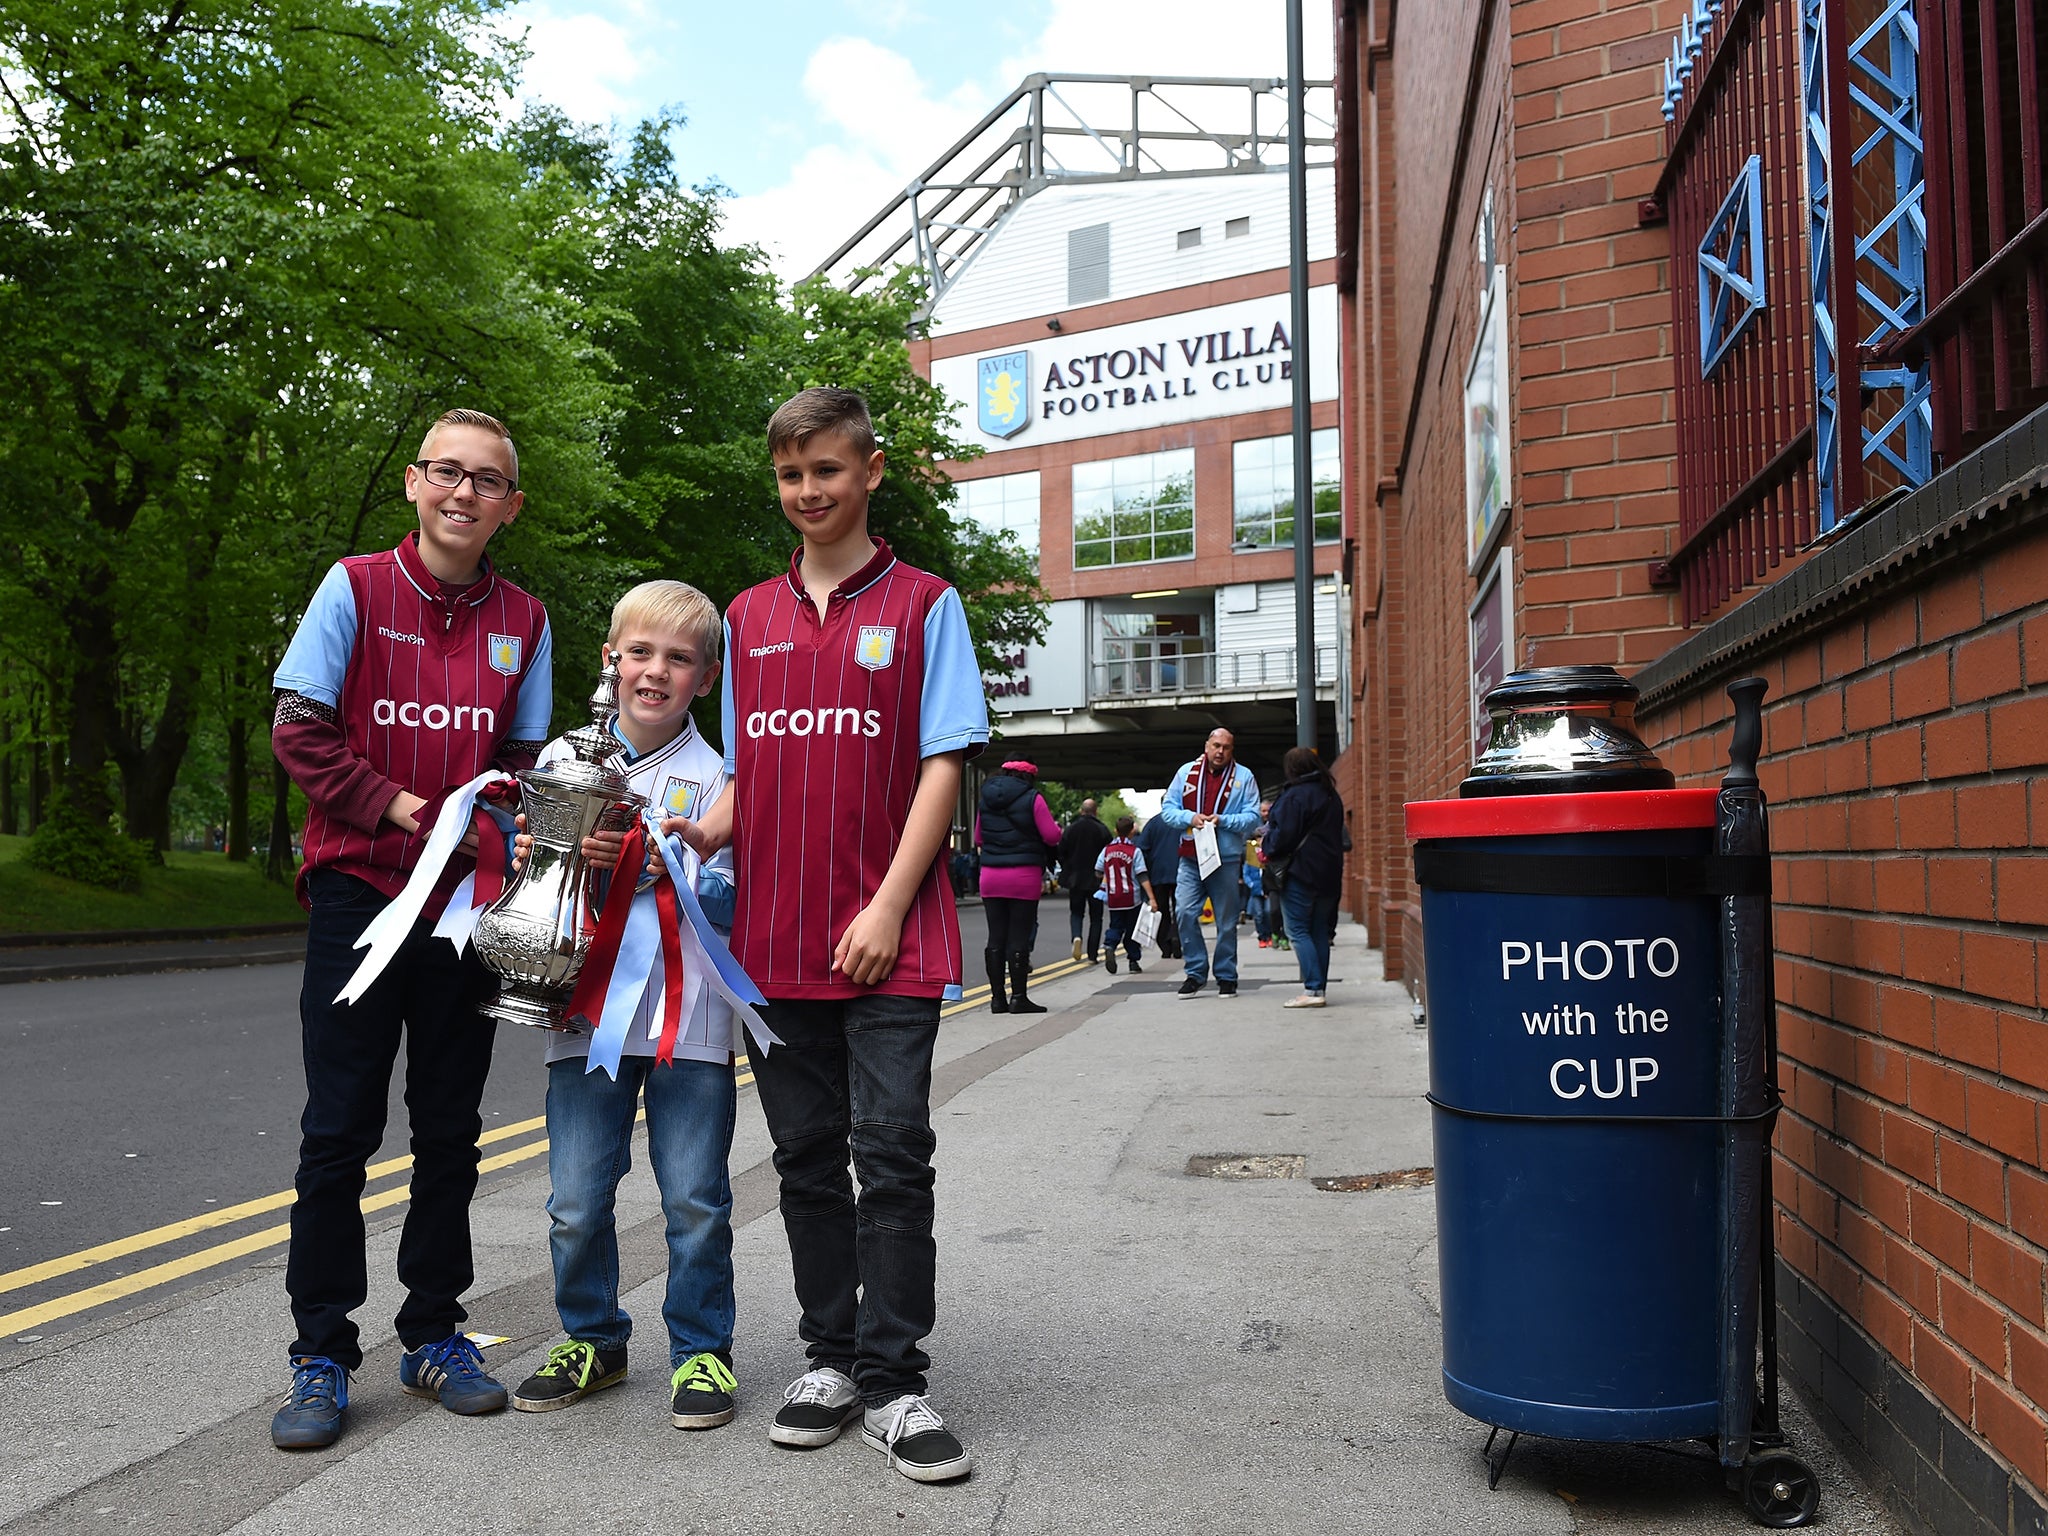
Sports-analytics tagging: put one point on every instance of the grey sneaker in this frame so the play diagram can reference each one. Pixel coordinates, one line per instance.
(915, 1439)
(815, 1408)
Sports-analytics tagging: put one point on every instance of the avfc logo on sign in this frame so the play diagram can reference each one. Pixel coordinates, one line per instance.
(875, 646)
(504, 654)
(1004, 386)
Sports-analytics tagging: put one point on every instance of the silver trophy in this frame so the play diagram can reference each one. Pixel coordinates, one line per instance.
(537, 933)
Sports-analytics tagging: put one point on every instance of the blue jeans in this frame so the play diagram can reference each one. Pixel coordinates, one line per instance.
(1122, 920)
(690, 1107)
(1222, 890)
(853, 1081)
(1311, 926)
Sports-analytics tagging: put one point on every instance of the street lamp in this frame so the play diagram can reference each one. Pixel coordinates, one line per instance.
(1304, 468)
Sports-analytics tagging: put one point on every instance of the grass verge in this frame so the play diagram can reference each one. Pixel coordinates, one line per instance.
(192, 890)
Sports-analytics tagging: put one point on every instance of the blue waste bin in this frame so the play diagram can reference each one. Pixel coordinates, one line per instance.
(1576, 1051)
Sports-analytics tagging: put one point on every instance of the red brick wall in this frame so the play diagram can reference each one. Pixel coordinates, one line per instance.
(1595, 494)
(1904, 751)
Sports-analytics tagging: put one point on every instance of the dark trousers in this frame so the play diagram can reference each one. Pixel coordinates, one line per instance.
(1121, 921)
(1012, 925)
(1082, 907)
(854, 1077)
(1169, 926)
(430, 996)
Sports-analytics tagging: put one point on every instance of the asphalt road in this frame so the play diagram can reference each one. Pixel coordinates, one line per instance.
(132, 1101)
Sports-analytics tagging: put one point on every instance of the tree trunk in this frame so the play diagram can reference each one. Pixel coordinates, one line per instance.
(7, 805)
(238, 788)
(38, 784)
(279, 865)
(149, 774)
(89, 733)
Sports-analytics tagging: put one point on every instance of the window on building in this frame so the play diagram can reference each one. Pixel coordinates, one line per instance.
(1188, 239)
(1004, 504)
(1128, 511)
(1088, 264)
(1233, 228)
(1262, 490)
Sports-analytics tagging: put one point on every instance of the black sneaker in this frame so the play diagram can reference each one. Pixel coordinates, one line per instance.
(916, 1440)
(574, 1370)
(1110, 962)
(1226, 988)
(1190, 987)
(815, 1408)
(701, 1393)
(1136, 969)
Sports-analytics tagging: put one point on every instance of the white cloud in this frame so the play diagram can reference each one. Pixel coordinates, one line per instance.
(887, 123)
(579, 61)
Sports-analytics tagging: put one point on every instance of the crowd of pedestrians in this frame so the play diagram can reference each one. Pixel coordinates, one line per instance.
(1216, 848)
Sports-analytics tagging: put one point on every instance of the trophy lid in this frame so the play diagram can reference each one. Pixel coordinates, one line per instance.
(1563, 730)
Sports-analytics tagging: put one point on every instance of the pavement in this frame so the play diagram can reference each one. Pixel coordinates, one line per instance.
(1126, 1347)
(67, 956)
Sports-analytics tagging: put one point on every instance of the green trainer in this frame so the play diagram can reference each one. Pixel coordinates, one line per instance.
(703, 1388)
(574, 1370)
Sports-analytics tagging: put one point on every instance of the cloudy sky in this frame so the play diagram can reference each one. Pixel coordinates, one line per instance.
(814, 112)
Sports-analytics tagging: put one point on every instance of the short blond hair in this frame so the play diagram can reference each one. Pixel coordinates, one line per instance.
(808, 412)
(460, 417)
(670, 605)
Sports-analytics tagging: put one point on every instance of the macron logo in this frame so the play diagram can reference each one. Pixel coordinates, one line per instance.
(434, 717)
(392, 634)
(773, 650)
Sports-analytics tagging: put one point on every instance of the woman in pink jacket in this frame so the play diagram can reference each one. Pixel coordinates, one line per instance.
(1016, 834)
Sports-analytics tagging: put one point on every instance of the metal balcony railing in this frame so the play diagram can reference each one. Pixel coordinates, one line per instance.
(1131, 669)
(1858, 199)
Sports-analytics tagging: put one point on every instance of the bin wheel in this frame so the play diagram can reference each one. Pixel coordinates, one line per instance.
(1780, 1491)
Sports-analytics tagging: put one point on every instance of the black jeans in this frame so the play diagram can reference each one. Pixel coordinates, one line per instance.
(1082, 907)
(855, 1076)
(1169, 924)
(431, 997)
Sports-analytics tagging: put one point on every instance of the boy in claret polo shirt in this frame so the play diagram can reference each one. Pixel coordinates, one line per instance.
(852, 698)
(413, 672)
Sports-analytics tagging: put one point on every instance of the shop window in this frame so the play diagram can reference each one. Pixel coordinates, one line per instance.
(1129, 511)
(1004, 504)
(1262, 471)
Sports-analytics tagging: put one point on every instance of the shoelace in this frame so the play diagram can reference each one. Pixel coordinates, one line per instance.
(574, 1359)
(706, 1368)
(458, 1356)
(907, 1418)
(318, 1382)
(813, 1387)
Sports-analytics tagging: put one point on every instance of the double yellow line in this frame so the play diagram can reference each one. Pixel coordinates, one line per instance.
(26, 1319)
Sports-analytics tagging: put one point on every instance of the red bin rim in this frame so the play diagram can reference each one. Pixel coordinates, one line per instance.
(1640, 810)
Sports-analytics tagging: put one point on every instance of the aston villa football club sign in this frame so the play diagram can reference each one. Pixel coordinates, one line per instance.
(1005, 393)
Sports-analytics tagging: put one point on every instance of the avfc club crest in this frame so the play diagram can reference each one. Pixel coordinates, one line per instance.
(504, 654)
(681, 797)
(1004, 386)
(875, 646)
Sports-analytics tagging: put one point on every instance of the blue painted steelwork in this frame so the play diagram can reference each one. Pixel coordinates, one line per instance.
(1882, 65)
(1732, 270)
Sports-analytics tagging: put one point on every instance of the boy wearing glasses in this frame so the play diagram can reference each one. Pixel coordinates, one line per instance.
(413, 671)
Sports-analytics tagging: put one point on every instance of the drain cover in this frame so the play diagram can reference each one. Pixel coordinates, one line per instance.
(1249, 1165)
(1395, 1178)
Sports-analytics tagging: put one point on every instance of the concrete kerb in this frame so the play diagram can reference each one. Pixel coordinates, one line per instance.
(1125, 1347)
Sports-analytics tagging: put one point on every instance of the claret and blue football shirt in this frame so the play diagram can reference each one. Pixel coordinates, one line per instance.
(826, 725)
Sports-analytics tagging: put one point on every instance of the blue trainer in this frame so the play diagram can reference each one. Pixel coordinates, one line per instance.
(311, 1415)
(453, 1372)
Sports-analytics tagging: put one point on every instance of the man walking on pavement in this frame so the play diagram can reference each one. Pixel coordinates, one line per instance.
(1160, 843)
(1214, 793)
(1082, 845)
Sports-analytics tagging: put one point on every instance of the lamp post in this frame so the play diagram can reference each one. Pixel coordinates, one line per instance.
(1304, 468)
